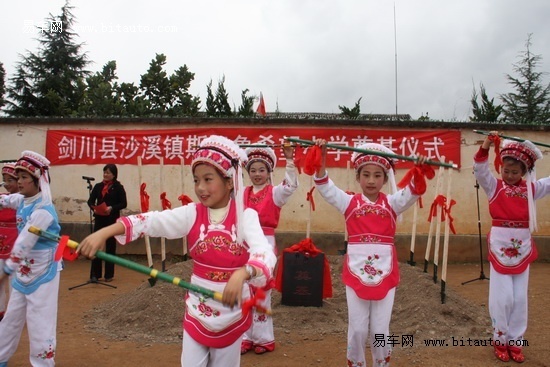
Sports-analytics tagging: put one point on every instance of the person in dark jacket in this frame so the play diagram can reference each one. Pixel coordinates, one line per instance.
(106, 200)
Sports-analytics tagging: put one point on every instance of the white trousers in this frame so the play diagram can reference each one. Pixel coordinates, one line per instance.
(5, 290)
(197, 355)
(508, 305)
(369, 320)
(39, 311)
(261, 331)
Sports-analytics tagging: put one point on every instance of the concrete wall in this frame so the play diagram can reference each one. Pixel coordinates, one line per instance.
(70, 193)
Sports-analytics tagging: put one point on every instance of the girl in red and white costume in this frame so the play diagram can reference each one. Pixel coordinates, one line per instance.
(511, 247)
(8, 229)
(267, 200)
(370, 270)
(229, 250)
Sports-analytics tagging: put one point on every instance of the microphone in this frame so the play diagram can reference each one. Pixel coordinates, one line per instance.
(88, 178)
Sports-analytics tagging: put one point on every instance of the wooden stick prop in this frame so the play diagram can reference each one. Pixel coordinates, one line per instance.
(184, 238)
(432, 223)
(310, 199)
(437, 233)
(411, 261)
(446, 240)
(346, 234)
(373, 152)
(515, 138)
(162, 239)
(139, 268)
(151, 280)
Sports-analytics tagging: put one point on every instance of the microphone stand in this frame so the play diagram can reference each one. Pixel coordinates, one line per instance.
(93, 280)
(481, 274)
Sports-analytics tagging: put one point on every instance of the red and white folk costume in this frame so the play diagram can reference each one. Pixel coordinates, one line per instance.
(267, 200)
(35, 273)
(8, 234)
(511, 247)
(220, 242)
(370, 270)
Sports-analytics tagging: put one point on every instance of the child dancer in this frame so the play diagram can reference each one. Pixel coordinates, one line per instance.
(226, 243)
(35, 280)
(8, 229)
(511, 247)
(267, 200)
(370, 270)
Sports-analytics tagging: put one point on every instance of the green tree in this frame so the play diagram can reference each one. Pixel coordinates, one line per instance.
(183, 103)
(246, 109)
(101, 99)
(211, 109)
(488, 111)
(222, 100)
(155, 86)
(530, 104)
(351, 113)
(132, 103)
(50, 82)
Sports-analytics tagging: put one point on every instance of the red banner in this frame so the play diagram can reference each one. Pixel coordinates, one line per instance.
(124, 146)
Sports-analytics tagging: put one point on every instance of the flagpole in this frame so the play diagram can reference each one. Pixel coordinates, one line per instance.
(395, 47)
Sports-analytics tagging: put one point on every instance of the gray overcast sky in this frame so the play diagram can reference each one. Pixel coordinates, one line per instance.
(307, 55)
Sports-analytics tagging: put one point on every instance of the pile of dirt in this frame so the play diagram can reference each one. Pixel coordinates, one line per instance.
(154, 314)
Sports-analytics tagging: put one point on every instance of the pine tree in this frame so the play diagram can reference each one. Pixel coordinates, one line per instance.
(488, 111)
(211, 109)
(531, 102)
(351, 113)
(50, 82)
(246, 109)
(222, 100)
(155, 87)
(183, 103)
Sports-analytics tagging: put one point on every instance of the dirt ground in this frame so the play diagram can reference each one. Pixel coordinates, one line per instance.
(139, 325)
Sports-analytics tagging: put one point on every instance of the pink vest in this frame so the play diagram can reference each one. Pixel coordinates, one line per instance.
(216, 256)
(263, 203)
(371, 266)
(8, 232)
(511, 247)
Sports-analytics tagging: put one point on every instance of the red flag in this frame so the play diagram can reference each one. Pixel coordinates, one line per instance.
(261, 106)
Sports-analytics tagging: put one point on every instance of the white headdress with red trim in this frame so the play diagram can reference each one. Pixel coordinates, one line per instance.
(38, 166)
(527, 153)
(9, 169)
(228, 158)
(359, 159)
(265, 155)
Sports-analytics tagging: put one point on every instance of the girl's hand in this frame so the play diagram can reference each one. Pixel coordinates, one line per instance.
(232, 293)
(421, 159)
(91, 244)
(288, 150)
(489, 139)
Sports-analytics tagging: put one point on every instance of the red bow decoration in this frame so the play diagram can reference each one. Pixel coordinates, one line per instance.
(184, 199)
(254, 302)
(417, 174)
(441, 201)
(166, 204)
(498, 160)
(310, 198)
(144, 198)
(313, 160)
(64, 251)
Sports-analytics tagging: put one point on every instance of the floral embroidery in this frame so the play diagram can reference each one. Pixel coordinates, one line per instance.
(218, 243)
(370, 209)
(47, 354)
(513, 251)
(25, 268)
(383, 362)
(260, 317)
(512, 224)
(255, 199)
(4, 247)
(218, 275)
(369, 267)
(205, 310)
(515, 192)
(370, 238)
(354, 364)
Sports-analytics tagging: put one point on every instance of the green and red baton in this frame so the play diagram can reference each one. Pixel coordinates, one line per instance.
(65, 242)
(374, 152)
(515, 138)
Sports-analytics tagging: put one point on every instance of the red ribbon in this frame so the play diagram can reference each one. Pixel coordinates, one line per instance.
(441, 201)
(498, 160)
(143, 198)
(313, 160)
(166, 204)
(310, 198)
(184, 199)
(64, 251)
(417, 174)
(254, 302)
